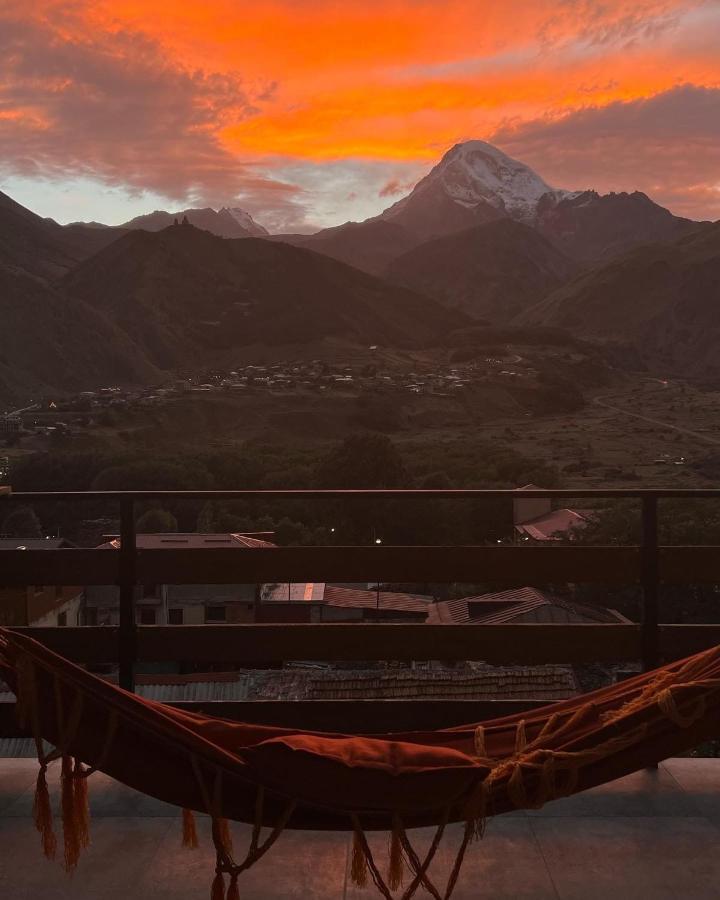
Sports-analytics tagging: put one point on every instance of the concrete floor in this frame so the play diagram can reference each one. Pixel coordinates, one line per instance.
(652, 836)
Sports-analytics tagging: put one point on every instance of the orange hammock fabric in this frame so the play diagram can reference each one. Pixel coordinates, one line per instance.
(279, 778)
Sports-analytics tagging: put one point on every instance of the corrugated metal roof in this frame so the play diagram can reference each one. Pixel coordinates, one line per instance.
(351, 597)
(17, 748)
(190, 540)
(526, 604)
(198, 691)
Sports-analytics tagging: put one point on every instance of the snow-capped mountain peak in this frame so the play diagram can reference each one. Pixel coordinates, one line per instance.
(474, 182)
(476, 172)
(245, 220)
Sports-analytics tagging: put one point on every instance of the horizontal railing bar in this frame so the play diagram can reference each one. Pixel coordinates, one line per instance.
(512, 565)
(677, 641)
(509, 564)
(516, 565)
(496, 644)
(377, 494)
(689, 565)
(89, 645)
(62, 567)
(350, 642)
(349, 716)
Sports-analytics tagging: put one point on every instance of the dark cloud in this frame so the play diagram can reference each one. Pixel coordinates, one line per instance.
(114, 107)
(667, 146)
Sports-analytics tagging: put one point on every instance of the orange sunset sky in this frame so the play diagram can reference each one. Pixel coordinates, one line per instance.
(308, 113)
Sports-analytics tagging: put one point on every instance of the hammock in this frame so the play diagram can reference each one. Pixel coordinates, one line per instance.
(279, 778)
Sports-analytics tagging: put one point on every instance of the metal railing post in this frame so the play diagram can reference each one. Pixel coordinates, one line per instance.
(127, 637)
(650, 580)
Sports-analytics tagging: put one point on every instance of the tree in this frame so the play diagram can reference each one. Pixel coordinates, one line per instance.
(364, 460)
(22, 523)
(156, 521)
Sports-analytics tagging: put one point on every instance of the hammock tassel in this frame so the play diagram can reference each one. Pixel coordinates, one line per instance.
(42, 814)
(480, 746)
(520, 737)
(358, 865)
(233, 891)
(71, 824)
(225, 836)
(218, 887)
(396, 867)
(82, 807)
(189, 837)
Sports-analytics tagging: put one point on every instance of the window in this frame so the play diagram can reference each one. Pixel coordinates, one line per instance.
(62, 619)
(147, 615)
(176, 616)
(91, 616)
(215, 614)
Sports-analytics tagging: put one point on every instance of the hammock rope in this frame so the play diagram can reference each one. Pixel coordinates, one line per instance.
(273, 778)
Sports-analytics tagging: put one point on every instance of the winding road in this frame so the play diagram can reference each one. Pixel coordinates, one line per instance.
(695, 434)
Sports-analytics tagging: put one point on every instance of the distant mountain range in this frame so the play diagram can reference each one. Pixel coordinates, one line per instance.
(482, 237)
(475, 184)
(226, 222)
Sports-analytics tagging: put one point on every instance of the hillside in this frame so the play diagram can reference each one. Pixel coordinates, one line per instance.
(662, 298)
(370, 246)
(41, 247)
(492, 271)
(185, 296)
(50, 343)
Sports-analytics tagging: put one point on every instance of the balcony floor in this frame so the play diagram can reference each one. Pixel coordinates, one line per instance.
(653, 836)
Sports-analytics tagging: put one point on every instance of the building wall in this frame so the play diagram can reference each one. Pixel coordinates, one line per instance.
(13, 605)
(39, 605)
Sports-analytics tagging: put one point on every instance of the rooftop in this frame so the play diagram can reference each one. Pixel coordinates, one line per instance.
(525, 605)
(191, 540)
(653, 834)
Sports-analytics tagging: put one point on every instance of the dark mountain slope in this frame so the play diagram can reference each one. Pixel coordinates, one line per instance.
(41, 247)
(184, 295)
(662, 298)
(369, 246)
(49, 342)
(492, 271)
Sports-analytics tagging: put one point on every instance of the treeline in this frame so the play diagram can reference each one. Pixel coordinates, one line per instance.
(363, 460)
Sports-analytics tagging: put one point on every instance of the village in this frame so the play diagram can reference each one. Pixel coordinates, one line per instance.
(85, 409)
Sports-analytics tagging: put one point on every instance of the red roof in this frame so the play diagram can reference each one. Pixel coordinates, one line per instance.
(389, 600)
(527, 604)
(553, 525)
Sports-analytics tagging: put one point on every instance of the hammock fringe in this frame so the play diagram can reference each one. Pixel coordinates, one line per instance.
(42, 814)
(510, 762)
(396, 867)
(189, 835)
(358, 864)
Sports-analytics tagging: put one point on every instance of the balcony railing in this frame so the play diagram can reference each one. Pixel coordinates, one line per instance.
(646, 566)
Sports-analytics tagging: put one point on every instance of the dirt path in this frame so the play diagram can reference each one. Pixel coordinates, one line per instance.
(695, 434)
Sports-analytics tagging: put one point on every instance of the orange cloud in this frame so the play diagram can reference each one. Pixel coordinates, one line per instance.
(213, 99)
